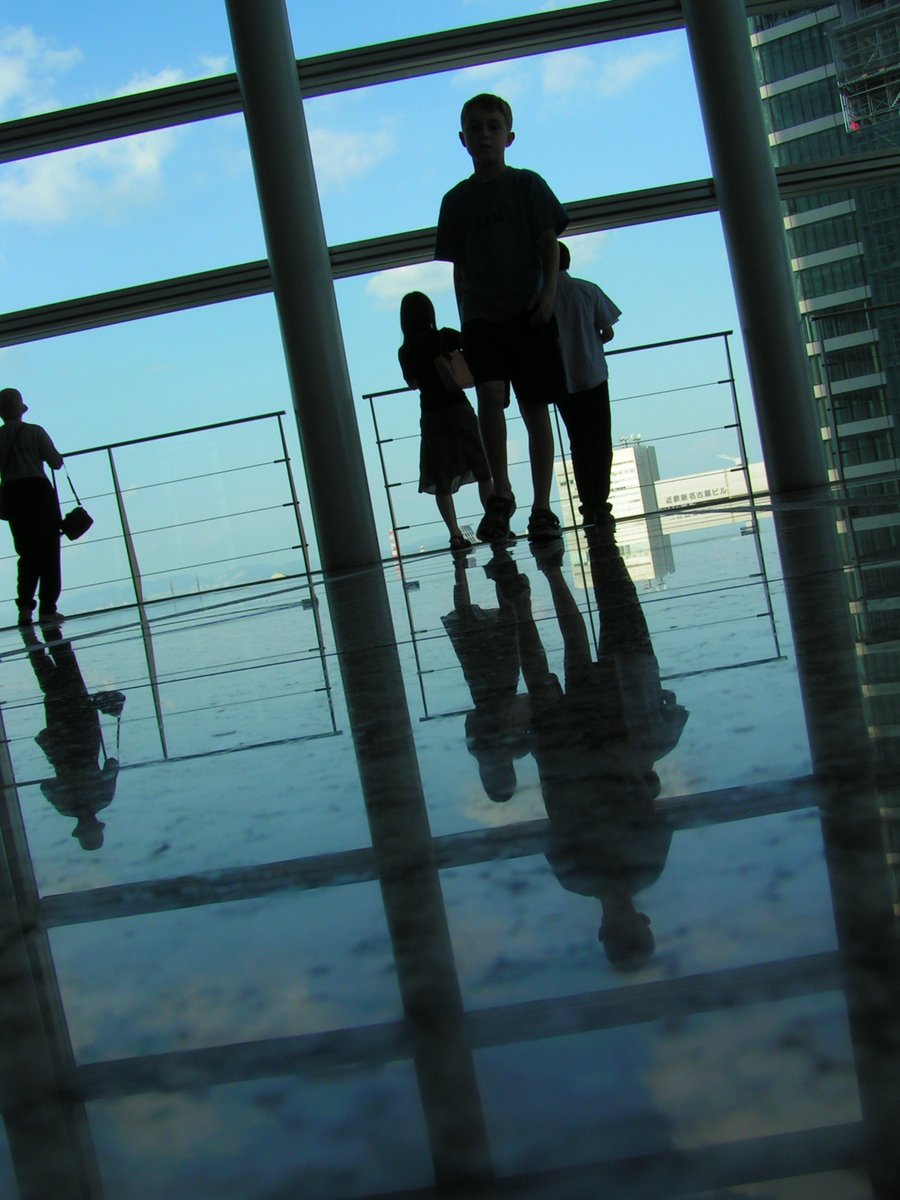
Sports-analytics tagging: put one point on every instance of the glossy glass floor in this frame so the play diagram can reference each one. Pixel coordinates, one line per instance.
(504, 875)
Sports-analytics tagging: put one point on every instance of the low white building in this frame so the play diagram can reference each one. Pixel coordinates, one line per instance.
(648, 510)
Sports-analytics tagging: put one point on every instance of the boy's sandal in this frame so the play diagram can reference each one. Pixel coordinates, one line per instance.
(601, 537)
(507, 576)
(543, 524)
(494, 525)
(601, 517)
(547, 554)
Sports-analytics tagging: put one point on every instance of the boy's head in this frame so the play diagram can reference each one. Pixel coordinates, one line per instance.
(11, 404)
(487, 130)
(490, 103)
(565, 258)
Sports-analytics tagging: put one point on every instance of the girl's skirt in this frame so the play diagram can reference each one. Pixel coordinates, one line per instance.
(451, 453)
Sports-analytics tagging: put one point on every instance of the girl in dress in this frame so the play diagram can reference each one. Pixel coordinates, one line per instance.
(451, 452)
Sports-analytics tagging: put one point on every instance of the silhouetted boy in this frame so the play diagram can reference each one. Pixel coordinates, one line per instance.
(499, 229)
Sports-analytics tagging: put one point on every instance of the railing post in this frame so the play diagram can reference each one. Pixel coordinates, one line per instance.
(384, 474)
(401, 570)
(135, 569)
(304, 549)
(748, 484)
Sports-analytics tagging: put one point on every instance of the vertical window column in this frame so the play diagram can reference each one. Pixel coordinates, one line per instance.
(303, 284)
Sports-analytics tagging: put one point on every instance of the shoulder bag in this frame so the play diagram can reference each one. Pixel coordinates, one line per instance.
(77, 521)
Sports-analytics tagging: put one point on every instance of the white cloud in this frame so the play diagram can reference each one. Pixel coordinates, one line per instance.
(148, 81)
(608, 74)
(216, 64)
(619, 73)
(29, 66)
(389, 287)
(586, 249)
(341, 156)
(787, 1068)
(499, 79)
(603, 71)
(566, 71)
(104, 179)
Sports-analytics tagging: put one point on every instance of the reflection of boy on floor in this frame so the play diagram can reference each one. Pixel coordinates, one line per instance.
(72, 739)
(585, 316)
(595, 745)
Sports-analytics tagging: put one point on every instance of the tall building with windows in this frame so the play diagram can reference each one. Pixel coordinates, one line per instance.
(830, 85)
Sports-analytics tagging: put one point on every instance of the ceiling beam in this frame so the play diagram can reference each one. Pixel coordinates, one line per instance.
(345, 70)
(416, 246)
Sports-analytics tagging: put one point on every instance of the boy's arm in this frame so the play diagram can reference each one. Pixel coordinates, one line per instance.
(547, 219)
(48, 451)
(605, 316)
(542, 302)
(457, 286)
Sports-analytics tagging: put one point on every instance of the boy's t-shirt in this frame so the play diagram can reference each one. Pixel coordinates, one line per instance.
(582, 312)
(490, 231)
(24, 448)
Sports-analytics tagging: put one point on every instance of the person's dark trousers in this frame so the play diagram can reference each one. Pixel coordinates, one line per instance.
(589, 426)
(34, 519)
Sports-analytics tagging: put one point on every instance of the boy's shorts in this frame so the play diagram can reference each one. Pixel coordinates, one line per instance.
(517, 352)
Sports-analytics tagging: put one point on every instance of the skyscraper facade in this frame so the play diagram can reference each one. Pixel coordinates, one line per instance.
(830, 86)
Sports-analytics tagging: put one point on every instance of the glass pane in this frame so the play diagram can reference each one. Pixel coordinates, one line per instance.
(323, 1138)
(128, 211)
(358, 23)
(590, 121)
(59, 55)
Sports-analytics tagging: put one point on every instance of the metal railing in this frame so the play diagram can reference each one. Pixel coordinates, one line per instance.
(665, 398)
(160, 539)
(171, 524)
(651, 383)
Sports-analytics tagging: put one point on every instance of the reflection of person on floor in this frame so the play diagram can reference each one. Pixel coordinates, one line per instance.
(596, 743)
(485, 644)
(72, 739)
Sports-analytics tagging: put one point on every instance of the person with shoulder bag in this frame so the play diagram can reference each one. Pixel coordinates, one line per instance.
(31, 506)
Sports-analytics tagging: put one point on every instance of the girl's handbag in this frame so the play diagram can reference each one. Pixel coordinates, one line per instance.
(454, 371)
(78, 520)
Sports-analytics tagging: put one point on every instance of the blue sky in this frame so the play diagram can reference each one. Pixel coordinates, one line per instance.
(593, 121)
